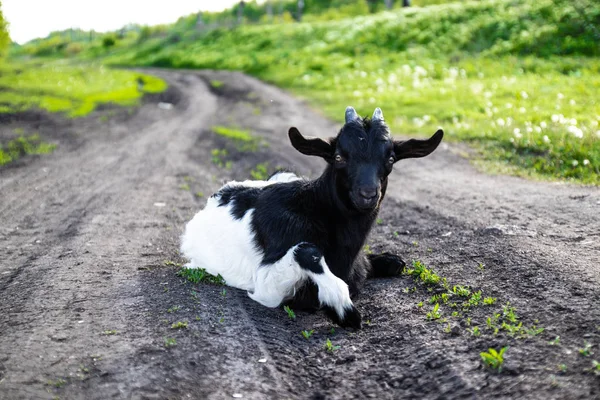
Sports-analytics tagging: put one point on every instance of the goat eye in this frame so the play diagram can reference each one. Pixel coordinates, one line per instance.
(391, 160)
(339, 158)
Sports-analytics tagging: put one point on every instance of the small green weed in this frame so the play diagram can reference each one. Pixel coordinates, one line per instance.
(330, 347)
(488, 301)
(185, 187)
(475, 331)
(494, 359)
(218, 157)
(110, 332)
(367, 249)
(197, 275)
(420, 272)
(307, 334)
(291, 314)
(22, 146)
(586, 351)
(562, 368)
(260, 172)
(434, 314)
(216, 84)
(174, 309)
(179, 325)
(243, 139)
(199, 194)
(555, 341)
(169, 342)
(57, 383)
(379, 221)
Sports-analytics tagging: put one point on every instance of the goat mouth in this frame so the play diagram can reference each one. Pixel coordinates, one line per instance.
(365, 206)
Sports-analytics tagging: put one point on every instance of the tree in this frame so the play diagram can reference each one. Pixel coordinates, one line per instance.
(4, 38)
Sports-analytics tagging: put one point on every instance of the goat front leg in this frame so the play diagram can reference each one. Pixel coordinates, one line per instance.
(385, 265)
(333, 293)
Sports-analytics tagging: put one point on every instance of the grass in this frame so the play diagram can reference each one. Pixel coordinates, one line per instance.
(170, 342)
(75, 90)
(494, 359)
(197, 275)
(179, 325)
(110, 332)
(329, 347)
(516, 81)
(307, 334)
(23, 145)
(243, 140)
(291, 314)
(260, 171)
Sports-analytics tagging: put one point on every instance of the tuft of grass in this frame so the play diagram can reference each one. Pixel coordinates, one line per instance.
(260, 172)
(244, 141)
(307, 334)
(494, 359)
(420, 272)
(218, 158)
(110, 332)
(185, 187)
(197, 275)
(555, 341)
(22, 146)
(170, 342)
(179, 325)
(586, 351)
(57, 383)
(174, 309)
(329, 347)
(434, 313)
(216, 84)
(291, 314)
(199, 194)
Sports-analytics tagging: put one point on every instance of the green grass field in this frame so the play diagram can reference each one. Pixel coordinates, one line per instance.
(75, 90)
(516, 79)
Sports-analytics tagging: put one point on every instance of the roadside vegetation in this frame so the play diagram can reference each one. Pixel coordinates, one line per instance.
(515, 79)
(75, 90)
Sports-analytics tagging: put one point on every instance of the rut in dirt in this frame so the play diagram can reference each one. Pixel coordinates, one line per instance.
(89, 293)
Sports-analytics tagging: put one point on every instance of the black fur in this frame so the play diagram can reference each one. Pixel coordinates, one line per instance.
(328, 213)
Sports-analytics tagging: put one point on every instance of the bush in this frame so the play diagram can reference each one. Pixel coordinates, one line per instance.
(4, 38)
(108, 41)
(73, 49)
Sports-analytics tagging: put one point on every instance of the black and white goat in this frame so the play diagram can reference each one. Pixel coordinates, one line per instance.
(294, 241)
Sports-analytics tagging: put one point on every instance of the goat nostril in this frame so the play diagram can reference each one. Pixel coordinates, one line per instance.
(368, 193)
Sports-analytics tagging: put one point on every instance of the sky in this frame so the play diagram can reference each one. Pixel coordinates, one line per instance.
(30, 19)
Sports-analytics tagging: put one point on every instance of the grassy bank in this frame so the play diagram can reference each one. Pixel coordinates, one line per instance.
(516, 79)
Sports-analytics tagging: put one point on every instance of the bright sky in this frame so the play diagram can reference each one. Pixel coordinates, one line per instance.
(30, 19)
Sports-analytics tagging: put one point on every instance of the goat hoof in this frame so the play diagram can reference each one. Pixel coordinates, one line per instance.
(352, 319)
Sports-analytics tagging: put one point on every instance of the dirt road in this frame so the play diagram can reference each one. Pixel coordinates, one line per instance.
(89, 291)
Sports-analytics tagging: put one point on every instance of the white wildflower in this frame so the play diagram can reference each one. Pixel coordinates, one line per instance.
(560, 96)
(572, 102)
(501, 122)
(522, 110)
(517, 131)
(578, 133)
(573, 121)
(543, 124)
(426, 117)
(508, 105)
(546, 139)
(574, 163)
(537, 129)
(586, 162)
(529, 129)
(487, 94)
(524, 94)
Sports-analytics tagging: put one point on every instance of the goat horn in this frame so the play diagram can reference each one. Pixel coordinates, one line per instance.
(351, 114)
(377, 115)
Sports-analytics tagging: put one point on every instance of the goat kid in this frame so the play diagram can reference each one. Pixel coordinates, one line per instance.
(294, 241)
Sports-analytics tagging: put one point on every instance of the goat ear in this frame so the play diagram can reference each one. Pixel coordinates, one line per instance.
(311, 146)
(415, 148)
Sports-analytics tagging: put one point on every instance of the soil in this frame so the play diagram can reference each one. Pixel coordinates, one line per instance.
(89, 251)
